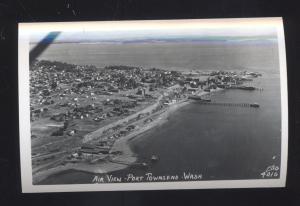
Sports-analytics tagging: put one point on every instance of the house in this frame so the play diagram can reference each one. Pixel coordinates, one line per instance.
(148, 120)
(123, 132)
(58, 117)
(130, 127)
(71, 132)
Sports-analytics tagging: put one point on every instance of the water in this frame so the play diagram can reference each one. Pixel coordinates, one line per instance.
(168, 56)
(215, 141)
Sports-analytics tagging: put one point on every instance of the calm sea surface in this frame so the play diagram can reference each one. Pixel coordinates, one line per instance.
(169, 56)
(216, 141)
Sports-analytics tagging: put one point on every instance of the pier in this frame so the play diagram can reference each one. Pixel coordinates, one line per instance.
(229, 104)
(242, 87)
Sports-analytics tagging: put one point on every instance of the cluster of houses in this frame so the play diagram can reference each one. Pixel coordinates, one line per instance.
(101, 148)
(219, 79)
(50, 78)
(70, 92)
(118, 107)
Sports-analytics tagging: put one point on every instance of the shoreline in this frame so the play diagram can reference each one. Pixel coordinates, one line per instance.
(128, 157)
(119, 162)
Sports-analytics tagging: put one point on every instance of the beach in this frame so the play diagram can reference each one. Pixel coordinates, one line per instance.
(122, 145)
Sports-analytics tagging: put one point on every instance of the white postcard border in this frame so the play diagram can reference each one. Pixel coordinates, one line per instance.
(24, 109)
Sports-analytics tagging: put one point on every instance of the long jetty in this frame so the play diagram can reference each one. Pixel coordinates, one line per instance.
(229, 104)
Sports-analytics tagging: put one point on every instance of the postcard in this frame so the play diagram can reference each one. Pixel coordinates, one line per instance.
(153, 105)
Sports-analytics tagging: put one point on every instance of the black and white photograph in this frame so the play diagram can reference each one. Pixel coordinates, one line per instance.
(152, 105)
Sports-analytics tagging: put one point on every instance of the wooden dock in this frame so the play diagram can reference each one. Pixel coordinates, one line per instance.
(229, 104)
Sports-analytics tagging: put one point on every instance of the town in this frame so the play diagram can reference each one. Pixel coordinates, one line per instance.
(78, 113)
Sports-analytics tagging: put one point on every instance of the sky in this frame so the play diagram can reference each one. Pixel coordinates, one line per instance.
(162, 34)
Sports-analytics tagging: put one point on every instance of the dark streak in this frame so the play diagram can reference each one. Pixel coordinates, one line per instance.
(42, 45)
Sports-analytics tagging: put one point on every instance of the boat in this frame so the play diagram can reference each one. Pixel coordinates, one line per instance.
(198, 98)
(205, 100)
(246, 88)
(254, 105)
(154, 158)
(242, 87)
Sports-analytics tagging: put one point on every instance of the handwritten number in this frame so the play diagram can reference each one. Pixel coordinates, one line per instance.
(271, 171)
